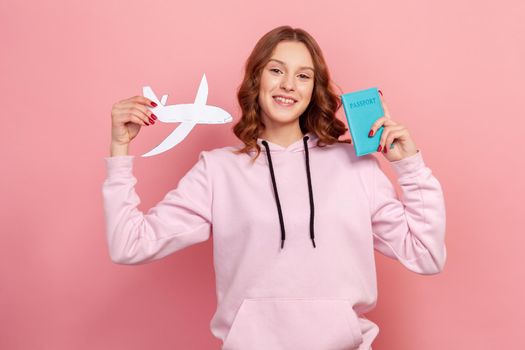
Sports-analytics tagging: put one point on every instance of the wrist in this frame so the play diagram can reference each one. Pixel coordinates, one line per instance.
(118, 149)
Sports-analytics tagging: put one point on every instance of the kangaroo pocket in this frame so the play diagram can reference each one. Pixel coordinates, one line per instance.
(294, 324)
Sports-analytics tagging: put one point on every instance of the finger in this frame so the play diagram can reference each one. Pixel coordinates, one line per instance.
(144, 115)
(137, 120)
(387, 131)
(383, 121)
(385, 107)
(388, 137)
(142, 100)
(376, 125)
(130, 112)
(149, 114)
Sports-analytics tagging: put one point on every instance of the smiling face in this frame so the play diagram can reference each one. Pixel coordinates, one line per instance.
(287, 83)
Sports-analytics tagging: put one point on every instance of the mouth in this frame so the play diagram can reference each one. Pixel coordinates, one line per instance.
(284, 101)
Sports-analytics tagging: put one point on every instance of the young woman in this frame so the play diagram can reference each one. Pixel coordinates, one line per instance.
(286, 279)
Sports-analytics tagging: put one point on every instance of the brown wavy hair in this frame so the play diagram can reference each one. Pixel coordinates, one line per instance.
(318, 118)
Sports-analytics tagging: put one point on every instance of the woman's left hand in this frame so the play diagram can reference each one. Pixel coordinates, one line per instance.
(393, 134)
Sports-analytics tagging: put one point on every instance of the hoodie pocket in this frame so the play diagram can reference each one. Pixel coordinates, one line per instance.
(294, 324)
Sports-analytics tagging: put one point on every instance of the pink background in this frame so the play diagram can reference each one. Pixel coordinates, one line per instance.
(451, 71)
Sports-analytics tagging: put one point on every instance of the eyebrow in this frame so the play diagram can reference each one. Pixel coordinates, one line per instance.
(284, 64)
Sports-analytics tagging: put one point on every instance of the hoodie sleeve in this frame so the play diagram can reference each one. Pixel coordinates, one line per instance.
(411, 230)
(182, 218)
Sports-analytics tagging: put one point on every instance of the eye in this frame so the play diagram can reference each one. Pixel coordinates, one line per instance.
(304, 76)
(275, 69)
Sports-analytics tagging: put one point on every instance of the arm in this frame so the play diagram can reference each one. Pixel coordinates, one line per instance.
(411, 230)
(181, 219)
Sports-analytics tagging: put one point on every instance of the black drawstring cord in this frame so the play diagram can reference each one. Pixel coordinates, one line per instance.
(275, 192)
(310, 192)
(312, 235)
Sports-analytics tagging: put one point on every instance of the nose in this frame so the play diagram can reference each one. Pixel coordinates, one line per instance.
(287, 82)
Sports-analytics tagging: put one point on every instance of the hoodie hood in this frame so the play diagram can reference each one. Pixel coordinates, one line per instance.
(296, 146)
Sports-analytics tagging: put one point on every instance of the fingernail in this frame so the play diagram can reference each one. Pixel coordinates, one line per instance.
(146, 123)
(379, 148)
(151, 121)
(385, 150)
(153, 116)
(380, 92)
(370, 133)
(153, 104)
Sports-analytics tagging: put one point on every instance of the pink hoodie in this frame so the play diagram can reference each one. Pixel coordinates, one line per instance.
(286, 279)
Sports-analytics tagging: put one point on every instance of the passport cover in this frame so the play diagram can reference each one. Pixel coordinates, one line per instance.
(362, 108)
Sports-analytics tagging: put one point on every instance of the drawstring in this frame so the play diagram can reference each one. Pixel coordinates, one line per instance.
(278, 202)
(276, 194)
(310, 192)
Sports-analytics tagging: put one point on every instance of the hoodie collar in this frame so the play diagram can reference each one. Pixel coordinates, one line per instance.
(297, 146)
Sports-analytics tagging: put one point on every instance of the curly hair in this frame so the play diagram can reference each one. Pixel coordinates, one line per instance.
(318, 118)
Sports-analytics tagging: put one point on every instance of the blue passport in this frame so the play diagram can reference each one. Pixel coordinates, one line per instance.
(362, 108)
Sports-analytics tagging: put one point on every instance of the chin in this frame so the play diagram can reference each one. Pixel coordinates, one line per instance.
(283, 117)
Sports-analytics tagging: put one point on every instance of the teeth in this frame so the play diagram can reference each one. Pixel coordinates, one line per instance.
(284, 100)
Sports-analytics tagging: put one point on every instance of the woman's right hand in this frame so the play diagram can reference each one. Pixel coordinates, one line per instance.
(127, 116)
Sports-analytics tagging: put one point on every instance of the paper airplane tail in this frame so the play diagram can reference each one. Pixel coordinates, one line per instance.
(147, 91)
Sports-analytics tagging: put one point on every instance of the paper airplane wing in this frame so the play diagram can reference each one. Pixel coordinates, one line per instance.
(173, 139)
(147, 92)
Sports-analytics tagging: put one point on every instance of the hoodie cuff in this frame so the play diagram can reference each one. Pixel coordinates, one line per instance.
(119, 166)
(409, 165)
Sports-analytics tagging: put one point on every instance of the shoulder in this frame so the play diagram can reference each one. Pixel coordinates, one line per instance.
(224, 157)
(345, 153)
(222, 153)
(362, 168)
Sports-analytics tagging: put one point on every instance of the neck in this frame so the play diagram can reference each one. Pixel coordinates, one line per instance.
(283, 136)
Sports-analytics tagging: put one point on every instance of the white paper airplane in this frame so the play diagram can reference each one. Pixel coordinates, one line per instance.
(188, 115)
